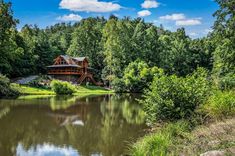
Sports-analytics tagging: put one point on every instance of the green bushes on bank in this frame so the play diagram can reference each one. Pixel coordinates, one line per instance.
(5, 87)
(62, 88)
(220, 104)
(227, 82)
(172, 97)
(159, 143)
(137, 76)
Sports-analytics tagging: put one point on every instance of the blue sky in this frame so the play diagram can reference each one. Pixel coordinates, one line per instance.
(194, 15)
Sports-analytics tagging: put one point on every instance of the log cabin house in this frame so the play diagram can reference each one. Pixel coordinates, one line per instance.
(73, 69)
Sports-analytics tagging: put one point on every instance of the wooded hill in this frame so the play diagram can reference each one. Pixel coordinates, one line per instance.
(112, 44)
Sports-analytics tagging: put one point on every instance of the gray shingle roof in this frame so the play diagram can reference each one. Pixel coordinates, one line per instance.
(72, 60)
(79, 59)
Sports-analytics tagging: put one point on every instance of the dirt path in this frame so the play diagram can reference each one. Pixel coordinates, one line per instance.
(26, 80)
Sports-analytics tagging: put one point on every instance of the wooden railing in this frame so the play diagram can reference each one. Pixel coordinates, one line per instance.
(64, 72)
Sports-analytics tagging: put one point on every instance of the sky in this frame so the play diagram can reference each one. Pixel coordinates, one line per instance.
(194, 15)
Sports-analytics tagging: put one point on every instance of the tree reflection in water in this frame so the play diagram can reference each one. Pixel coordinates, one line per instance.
(101, 125)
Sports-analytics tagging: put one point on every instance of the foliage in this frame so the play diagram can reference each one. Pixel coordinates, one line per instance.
(110, 44)
(8, 38)
(224, 38)
(220, 104)
(136, 77)
(224, 57)
(159, 143)
(227, 82)
(118, 85)
(62, 88)
(5, 87)
(172, 97)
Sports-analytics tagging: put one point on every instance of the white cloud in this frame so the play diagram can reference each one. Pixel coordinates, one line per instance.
(206, 31)
(188, 22)
(193, 34)
(44, 149)
(181, 20)
(89, 5)
(144, 13)
(150, 4)
(173, 17)
(70, 17)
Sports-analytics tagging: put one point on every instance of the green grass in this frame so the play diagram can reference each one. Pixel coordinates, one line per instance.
(26, 90)
(220, 105)
(84, 90)
(92, 89)
(161, 142)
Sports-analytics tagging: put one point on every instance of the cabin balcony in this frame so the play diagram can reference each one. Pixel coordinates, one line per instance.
(65, 72)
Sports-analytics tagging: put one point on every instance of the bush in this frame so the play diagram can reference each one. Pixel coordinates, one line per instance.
(220, 104)
(62, 88)
(136, 77)
(159, 143)
(5, 87)
(227, 82)
(172, 97)
(119, 85)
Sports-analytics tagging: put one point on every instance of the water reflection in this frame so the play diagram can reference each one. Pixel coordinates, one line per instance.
(94, 125)
(46, 150)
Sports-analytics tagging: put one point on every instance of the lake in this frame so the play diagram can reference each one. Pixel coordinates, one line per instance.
(102, 125)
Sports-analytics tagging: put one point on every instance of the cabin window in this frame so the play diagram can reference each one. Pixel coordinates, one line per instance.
(62, 62)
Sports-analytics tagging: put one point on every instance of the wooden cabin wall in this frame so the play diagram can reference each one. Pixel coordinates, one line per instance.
(70, 78)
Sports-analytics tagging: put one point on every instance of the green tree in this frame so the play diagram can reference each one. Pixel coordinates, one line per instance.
(173, 98)
(86, 41)
(8, 46)
(175, 55)
(224, 36)
(137, 76)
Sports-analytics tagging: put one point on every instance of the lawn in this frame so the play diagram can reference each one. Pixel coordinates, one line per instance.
(27, 90)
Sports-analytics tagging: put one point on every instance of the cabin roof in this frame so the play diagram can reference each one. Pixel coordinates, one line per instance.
(72, 60)
(79, 59)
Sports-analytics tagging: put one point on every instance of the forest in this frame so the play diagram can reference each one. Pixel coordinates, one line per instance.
(184, 82)
(112, 44)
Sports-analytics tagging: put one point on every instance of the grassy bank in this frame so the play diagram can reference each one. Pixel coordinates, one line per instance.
(27, 90)
(161, 142)
(211, 128)
(180, 139)
(92, 89)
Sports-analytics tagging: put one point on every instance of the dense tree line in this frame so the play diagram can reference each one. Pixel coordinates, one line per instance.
(112, 44)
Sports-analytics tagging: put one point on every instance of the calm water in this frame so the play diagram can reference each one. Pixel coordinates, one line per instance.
(69, 126)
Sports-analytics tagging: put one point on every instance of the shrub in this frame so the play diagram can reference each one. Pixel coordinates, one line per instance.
(62, 88)
(136, 77)
(160, 142)
(119, 85)
(227, 82)
(220, 104)
(5, 87)
(172, 97)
